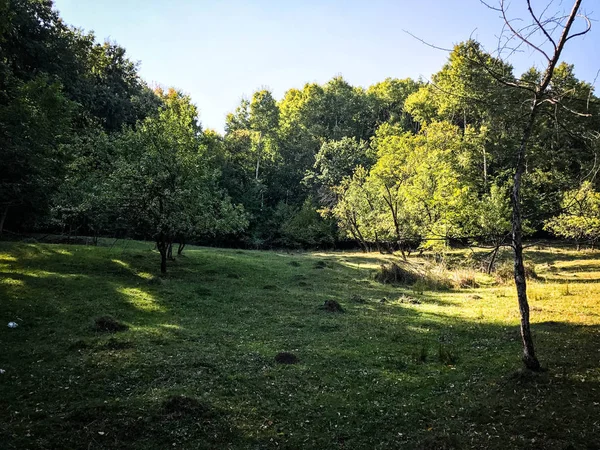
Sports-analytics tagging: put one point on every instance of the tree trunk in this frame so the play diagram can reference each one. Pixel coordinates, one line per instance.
(163, 262)
(162, 245)
(3, 219)
(180, 248)
(258, 156)
(485, 174)
(529, 358)
(170, 251)
(490, 266)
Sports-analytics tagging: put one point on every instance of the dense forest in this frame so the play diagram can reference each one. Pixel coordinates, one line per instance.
(88, 148)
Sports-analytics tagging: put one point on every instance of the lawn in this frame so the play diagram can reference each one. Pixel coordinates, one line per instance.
(196, 367)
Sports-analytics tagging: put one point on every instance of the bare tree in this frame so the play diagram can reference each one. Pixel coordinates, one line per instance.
(547, 36)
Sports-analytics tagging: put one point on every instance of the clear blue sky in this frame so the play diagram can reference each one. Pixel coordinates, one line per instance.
(218, 51)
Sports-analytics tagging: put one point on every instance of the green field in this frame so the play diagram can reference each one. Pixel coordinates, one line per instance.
(195, 368)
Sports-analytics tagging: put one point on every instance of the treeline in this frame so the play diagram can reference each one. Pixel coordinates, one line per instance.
(88, 148)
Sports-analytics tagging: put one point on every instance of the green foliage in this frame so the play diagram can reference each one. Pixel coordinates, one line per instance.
(580, 219)
(305, 227)
(35, 117)
(161, 185)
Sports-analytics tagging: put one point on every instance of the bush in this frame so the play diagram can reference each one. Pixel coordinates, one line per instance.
(464, 278)
(505, 272)
(394, 274)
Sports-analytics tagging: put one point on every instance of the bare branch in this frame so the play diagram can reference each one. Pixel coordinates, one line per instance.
(518, 34)
(587, 29)
(541, 27)
(427, 43)
(561, 43)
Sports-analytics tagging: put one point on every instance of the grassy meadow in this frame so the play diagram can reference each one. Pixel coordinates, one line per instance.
(400, 367)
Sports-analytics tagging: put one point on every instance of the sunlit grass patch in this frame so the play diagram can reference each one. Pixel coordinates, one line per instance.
(140, 299)
(11, 281)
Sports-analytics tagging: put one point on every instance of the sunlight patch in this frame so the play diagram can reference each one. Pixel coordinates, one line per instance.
(144, 275)
(12, 282)
(121, 263)
(140, 299)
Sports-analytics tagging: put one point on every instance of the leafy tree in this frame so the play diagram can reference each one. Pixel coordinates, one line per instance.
(355, 209)
(305, 227)
(335, 161)
(161, 186)
(580, 219)
(34, 124)
(388, 100)
(264, 122)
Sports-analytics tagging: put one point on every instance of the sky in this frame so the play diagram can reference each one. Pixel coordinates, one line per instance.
(221, 51)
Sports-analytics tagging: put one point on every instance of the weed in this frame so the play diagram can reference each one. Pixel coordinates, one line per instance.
(447, 355)
(464, 278)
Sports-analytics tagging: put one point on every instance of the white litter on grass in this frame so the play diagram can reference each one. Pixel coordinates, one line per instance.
(13, 324)
(2, 371)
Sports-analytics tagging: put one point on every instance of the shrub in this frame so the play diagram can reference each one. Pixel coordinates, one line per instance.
(392, 273)
(464, 278)
(505, 272)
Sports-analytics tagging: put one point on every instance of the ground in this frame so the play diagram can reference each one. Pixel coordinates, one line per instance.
(191, 360)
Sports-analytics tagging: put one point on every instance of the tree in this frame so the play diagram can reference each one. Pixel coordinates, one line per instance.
(264, 122)
(161, 184)
(335, 161)
(355, 209)
(580, 219)
(539, 93)
(35, 123)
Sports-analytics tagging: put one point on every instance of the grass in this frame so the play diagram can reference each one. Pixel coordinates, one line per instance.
(194, 364)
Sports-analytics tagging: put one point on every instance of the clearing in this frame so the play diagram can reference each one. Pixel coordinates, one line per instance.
(189, 361)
